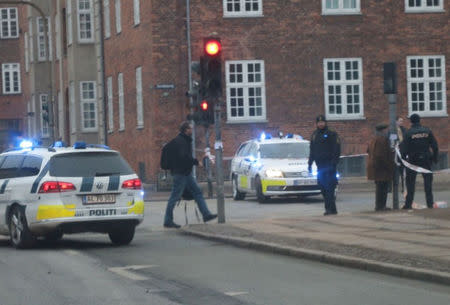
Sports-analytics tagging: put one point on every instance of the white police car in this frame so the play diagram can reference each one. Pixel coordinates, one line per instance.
(48, 192)
(273, 167)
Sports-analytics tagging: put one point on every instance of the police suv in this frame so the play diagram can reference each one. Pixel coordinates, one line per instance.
(48, 192)
(273, 167)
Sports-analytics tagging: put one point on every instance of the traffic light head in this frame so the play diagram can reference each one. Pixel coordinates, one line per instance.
(211, 67)
(212, 47)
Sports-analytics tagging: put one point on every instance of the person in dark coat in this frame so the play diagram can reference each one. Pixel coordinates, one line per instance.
(420, 149)
(325, 150)
(380, 165)
(181, 170)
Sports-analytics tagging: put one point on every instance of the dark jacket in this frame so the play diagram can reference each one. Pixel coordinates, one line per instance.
(420, 146)
(325, 148)
(380, 161)
(183, 160)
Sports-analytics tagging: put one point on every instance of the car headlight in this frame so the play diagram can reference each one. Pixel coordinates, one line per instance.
(274, 173)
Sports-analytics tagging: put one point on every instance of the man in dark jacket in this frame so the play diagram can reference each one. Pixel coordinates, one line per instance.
(420, 149)
(380, 165)
(325, 150)
(181, 170)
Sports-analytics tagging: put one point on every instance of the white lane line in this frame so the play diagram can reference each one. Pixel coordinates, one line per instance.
(124, 271)
(235, 293)
(72, 252)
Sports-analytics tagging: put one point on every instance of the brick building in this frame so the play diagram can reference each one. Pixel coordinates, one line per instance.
(284, 63)
(12, 70)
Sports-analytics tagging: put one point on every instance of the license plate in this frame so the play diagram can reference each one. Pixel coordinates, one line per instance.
(305, 182)
(98, 199)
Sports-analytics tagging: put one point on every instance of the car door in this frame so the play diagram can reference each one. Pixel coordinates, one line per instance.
(247, 162)
(8, 173)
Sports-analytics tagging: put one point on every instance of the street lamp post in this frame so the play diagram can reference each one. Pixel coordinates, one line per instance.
(47, 47)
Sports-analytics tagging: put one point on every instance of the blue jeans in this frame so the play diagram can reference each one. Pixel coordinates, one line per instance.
(179, 183)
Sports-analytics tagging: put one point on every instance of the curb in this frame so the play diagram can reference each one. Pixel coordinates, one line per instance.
(329, 258)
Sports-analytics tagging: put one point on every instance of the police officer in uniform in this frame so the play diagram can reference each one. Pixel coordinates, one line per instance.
(420, 148)
(325, 150)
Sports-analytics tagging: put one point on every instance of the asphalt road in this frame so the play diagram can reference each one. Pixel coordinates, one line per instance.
(163, 267)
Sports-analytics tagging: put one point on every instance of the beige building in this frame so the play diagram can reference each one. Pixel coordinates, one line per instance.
(71, 73)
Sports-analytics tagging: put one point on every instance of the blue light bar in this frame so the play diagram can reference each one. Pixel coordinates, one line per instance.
(79, 145)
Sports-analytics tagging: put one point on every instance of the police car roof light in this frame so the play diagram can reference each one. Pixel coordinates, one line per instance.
(26, 144)
(98, 146)
(59, 144)
(79, 145)
(289, 136)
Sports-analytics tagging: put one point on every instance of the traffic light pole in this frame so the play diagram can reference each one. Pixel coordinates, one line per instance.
(218, 146)
(208, 165)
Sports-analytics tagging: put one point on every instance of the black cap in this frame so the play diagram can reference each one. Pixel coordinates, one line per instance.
(414, 118)
(321, 118)
(381, 126)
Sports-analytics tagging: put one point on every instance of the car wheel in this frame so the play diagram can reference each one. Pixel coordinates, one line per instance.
(54, 236)
(237, 195)
(19, 233)
(259, 193)
(122, 235)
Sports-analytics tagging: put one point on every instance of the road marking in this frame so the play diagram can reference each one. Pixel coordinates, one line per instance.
(235, 293)
(72, 252)
(124, 271)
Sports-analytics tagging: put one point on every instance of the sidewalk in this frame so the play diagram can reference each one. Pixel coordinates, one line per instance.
(412, 244)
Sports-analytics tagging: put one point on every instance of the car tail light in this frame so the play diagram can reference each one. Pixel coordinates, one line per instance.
(56, 187)
(135, 184)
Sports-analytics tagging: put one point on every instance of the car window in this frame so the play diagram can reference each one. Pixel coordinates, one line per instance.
(89, 164)
(10, 166)
(253, 150)
(31, 166)
(241, 149)
(284, 150)
(244, 152)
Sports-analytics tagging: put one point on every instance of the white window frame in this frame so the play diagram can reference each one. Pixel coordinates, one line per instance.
(136, 12)
(121, 102)
(73, 114)
(118, 16)
(45, 127)
(107, 18)
(241, 12)
(426, 80)
(343, 83)
(89, 14)
(90, 88)
(30, 30)
(69, 22)
(423, 8)
(109, 92)
(42, 49)
(11, 70)
(139, 99)
(11, 22)
(27, 52)
(245, 86)
(340, 10)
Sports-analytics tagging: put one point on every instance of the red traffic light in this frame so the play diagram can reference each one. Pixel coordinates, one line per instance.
(212, 47)
(204, 105)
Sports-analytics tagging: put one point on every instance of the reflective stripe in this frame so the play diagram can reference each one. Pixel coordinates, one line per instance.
(266, 183)
(87, 184)
(137, 209)
(2, 189)
(39, 178)
(113, 183)
(55, 211)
